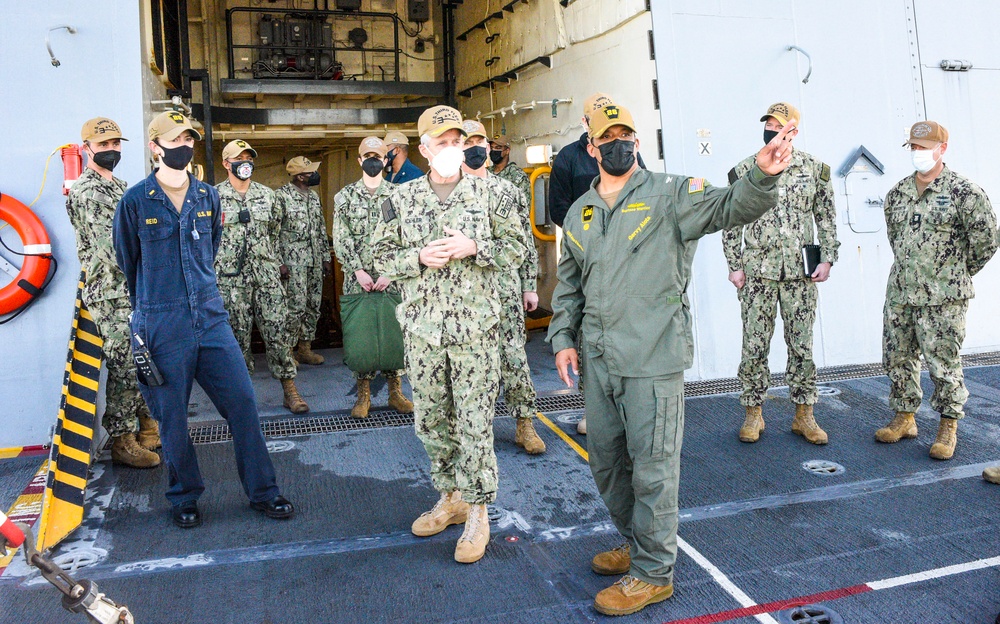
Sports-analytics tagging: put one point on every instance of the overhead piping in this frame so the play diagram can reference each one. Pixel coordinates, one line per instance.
(514, 107)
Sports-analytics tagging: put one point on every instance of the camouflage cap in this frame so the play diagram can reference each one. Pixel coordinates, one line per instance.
(395, 137)
(927, 134)
(474, 128)
(301, 164)
(237, 147)
(372, 144)
(500, 140)
(783, 111)
(100, 129)
(169, 125)
(594, 103)
(437, 120)
(608, 116)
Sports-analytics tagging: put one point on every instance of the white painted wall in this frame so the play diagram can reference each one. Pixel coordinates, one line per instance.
(45, 107)
(721, 63)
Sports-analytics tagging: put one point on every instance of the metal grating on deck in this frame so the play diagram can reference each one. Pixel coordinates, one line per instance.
(557, 402)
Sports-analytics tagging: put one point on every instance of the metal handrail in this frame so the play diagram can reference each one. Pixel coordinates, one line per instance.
(808, 58)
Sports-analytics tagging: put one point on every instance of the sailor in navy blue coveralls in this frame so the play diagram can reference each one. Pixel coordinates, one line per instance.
(168, 258)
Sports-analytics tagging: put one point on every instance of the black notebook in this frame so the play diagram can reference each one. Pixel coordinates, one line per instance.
(810, 259)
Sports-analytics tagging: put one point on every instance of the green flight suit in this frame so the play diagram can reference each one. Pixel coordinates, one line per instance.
(623, 279)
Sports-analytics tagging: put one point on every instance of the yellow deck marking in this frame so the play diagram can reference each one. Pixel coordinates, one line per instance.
(562, 434)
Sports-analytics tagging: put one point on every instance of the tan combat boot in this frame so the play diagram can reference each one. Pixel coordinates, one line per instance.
(581, 427)
(612, 562)
(149, 433)
(293, 400)
(398, 400)
(629, 595)
(126, 451)
(527, 438)
(992, 474)
(902, 426)
(753, 425)
(805, 425)
(364, 402)
(306, 355)
(472, 545)
(947, 437)
(450, 509)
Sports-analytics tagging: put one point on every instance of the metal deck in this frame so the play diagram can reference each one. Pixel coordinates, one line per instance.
(759, 533)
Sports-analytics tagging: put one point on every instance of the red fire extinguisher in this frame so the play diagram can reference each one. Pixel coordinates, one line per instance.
(72, 166)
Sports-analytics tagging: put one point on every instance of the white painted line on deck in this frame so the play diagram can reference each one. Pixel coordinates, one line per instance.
(723, 580)
(926, 575)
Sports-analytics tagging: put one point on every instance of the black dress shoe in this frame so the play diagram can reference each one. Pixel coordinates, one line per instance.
(278, 507)
(186, 515)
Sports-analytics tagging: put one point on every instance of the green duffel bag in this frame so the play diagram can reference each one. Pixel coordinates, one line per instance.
(373, 340)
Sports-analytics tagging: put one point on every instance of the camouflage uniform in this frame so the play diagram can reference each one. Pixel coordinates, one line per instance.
(516, 176)
(449, 318)
(356, 212)
(302, 247)
(519, 391)
(91, 207)
(769, 251)
(247, 271)
(939, 239)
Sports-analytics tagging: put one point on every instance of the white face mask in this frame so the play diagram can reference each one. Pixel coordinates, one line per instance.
(923, 160)
(448, 161)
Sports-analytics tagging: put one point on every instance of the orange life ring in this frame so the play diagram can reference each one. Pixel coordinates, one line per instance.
(37, 249)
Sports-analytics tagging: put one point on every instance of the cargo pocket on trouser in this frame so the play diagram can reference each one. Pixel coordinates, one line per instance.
(669, 414)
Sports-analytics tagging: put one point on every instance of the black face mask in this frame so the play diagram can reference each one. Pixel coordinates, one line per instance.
(313, 179)
(242, 169)
(388, 161)
(475, 156)
(372, 166)
(177, 157)
(107, 159)
(769, 135)
(496, 156)
(617, 157)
